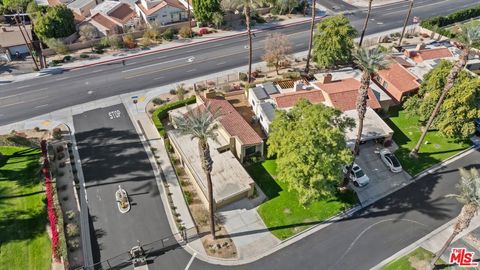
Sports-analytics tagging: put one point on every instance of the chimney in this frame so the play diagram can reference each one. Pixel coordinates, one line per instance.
(210, 94)
(299, 86)
(326, 78)
(420, 46)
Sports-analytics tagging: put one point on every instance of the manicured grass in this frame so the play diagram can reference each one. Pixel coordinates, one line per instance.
(282, 213)
(24, 243)
(406, 134)
(416, 260)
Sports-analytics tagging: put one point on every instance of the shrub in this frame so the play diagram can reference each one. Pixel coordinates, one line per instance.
(291, 75)
(203, 31)
(173, 92)
(158, 101)
(188, 196)
(74, 244)
(67, 58)
(243, 76)
(185, 32)
(169, 34)
(83, 56)
(129, 41)
(435, 23)
(72, 230)
(154, 33)
(162, 113)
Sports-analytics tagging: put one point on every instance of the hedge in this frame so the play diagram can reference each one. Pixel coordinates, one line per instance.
(458, 16)
(162, 112)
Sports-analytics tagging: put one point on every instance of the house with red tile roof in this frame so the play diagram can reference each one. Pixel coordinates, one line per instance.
(397, 81)
(161, 11)
(243, 140)
(112, 17)
(428, 54)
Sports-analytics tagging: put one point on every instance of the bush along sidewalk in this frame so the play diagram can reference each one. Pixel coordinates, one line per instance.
(56, 222)
(162, 112)
(436, 23)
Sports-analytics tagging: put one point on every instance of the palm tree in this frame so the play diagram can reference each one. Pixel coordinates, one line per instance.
(369, 61)
(247, 6)
(469, 36)
(310, 43)
(189, 18)
(469, 196)
(406, 22)
(366, 23)
(201, 124)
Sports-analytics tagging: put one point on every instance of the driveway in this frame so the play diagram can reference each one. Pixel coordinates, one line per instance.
(112, 154)
(382, 180)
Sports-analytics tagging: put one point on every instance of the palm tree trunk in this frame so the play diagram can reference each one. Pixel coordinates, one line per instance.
(405, 23)
(189, 17)
(250, 51)
(361, 110)
(452, 77)
(207, 167)
(463, 221)
(312, 26)
(366, 22)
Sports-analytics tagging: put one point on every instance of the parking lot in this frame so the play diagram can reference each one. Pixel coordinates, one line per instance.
(382, 180)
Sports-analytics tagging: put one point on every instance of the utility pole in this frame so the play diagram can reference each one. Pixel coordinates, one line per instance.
(25, 39)
(405, 23)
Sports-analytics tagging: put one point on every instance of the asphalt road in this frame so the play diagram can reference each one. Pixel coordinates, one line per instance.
(22, 100)
(112, 154)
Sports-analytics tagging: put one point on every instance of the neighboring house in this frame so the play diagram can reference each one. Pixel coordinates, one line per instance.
(397, 81)
(338, 89)
(424, 53)
(161, 11)
(82, 7)
(12, 41)
(112, 17)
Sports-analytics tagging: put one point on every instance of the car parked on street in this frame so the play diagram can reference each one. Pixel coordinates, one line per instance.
(359, 178)
(390, 160)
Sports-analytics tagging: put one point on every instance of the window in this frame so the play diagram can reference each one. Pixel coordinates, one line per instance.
(250, 150)
(385, 84)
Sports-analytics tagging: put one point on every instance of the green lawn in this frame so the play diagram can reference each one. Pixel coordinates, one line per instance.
(416, 260)
(282, 213)
(406, 134)
(24, 243)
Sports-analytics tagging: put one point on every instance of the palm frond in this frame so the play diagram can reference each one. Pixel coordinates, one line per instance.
(469, 187)
(370, 60)
(199, 123)
(470, 35)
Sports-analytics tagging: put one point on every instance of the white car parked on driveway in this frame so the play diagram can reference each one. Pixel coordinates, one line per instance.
(359, 178)
(390, 160)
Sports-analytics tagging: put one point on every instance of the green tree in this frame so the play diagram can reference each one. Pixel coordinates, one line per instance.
(57, 45)
(309, 143)
(200, 125)
(468, 37)
(469, 196)
(370, 62)
(455, 118)
(217, 19)
(16, 5)
(333, 42)
(204, 9)
(57, 22)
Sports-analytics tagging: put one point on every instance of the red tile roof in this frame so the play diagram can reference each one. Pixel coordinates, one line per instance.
(123, 13)
(104, 21)
(172, 3)
(78, 18)
(428, 54)
(342, 94)
(289, 100)
(53, 2)
(233, 122)
(400, 81)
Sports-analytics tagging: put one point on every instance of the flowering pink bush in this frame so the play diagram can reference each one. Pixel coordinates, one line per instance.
(203, 31)
(52, 216)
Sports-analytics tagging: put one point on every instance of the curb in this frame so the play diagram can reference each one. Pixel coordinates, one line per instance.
(243, 33)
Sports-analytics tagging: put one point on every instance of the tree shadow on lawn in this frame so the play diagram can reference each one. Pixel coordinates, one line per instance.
(22, 225)
(264, 180)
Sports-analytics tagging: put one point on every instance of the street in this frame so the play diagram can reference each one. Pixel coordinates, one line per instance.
(22, 100)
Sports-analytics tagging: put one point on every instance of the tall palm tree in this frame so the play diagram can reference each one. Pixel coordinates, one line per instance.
(189, 17)
(405, 23)
(369, 61)
(469, 196)
(247, 6)
(310, 43)
(201, 124)
(365, 23)
(469, 36)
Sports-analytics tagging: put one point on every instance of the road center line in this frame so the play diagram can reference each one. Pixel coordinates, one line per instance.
(191, 260)
(25, 86)
(40, 106)
(16, 95)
